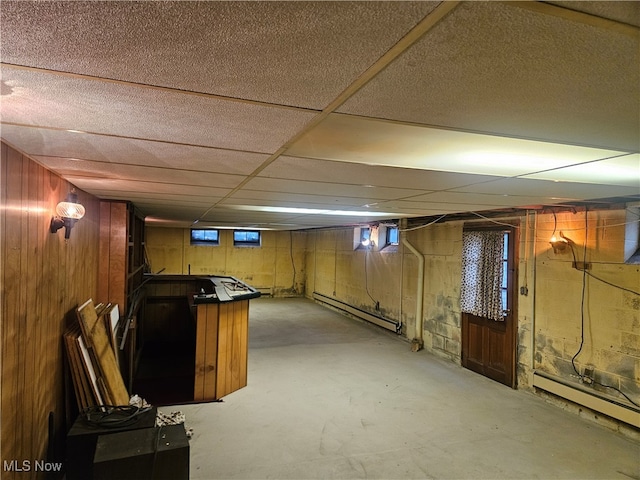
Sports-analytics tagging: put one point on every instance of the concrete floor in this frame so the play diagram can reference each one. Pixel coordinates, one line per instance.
(331, 397)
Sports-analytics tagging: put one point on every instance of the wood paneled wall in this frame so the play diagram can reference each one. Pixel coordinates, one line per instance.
(44, 278)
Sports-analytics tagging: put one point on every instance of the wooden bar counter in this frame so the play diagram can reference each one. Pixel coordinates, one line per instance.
(208, 314)
(222, 331)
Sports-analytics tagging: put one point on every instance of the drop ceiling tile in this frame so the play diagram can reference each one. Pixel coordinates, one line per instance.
(64, 102)
(624, 12)
(106, 185)
(487, 200)
(494, 67)
(367, 193)
(549, 189)
(175, 176)
(40, 142)
(624, 171)
(420, 208)
(292, 53)
(162, 200)
(376, 142)
(279, 199)
(296, 168)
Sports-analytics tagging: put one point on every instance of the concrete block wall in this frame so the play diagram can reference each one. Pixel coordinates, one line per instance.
(278, 265)
(601, 328)
(364, 279)
(549, 291)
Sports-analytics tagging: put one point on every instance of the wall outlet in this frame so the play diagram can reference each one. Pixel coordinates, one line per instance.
(587, 375)
(581, 265)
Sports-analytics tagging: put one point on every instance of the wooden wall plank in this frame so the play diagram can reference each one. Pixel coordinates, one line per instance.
(201, 323)
(118, 254)
(32, 304)
(211, 347)
(223, 346)
(244, 342)
(103, 260)
(43, 279)
(11, 387)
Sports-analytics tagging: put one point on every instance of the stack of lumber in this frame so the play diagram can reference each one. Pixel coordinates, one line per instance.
(91, 348)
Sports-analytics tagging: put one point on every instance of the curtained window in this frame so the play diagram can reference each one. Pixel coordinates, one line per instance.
(483, 289)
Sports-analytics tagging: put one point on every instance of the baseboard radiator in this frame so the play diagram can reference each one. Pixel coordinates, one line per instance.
(265, 291)
(392, 325)
(581, 396)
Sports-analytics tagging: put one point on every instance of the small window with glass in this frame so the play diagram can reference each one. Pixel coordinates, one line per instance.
(246, 238)
(205, 237)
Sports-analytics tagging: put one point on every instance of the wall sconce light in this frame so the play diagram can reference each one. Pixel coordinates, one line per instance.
(560, 245)
(67, 214)
(368, 243)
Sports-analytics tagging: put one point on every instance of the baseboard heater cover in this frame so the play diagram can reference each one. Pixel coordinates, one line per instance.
(392, 325)
(556, 386)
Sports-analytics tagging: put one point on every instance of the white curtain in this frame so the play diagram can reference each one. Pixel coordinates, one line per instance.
(480, 293)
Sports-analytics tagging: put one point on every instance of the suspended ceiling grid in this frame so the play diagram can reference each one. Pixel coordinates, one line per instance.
(289, 115)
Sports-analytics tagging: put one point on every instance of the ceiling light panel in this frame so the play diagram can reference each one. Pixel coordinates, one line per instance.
(497, 68)
(291, 53)
(378, 142)
(65, 102)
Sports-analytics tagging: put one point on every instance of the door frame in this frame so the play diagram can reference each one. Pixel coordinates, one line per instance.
(511, 321)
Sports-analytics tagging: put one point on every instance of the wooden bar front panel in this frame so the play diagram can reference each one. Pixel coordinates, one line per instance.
(221, 349)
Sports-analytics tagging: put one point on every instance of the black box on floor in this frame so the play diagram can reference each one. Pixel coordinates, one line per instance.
(82, 439)
(160, 453)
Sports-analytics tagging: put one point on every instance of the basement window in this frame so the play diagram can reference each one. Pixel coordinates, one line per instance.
(392, 236)
(246, 238)
(205, 237)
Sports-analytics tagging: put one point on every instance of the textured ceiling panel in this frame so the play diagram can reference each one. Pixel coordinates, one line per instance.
(422, 208)
(492, 67)
(90, 184)
(175, 176)
(500, 200)
(287, 199)
(189, 108)
(626, 12)
(39, 142)
(363, 174)
(290, 53)
(328, 189)
(47, 100)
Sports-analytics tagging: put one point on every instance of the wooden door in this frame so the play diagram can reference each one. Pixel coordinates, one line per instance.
(489, 346)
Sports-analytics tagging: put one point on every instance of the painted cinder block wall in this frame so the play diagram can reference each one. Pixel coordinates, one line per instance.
(278, 265)
(549, 308)
(611, 316)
